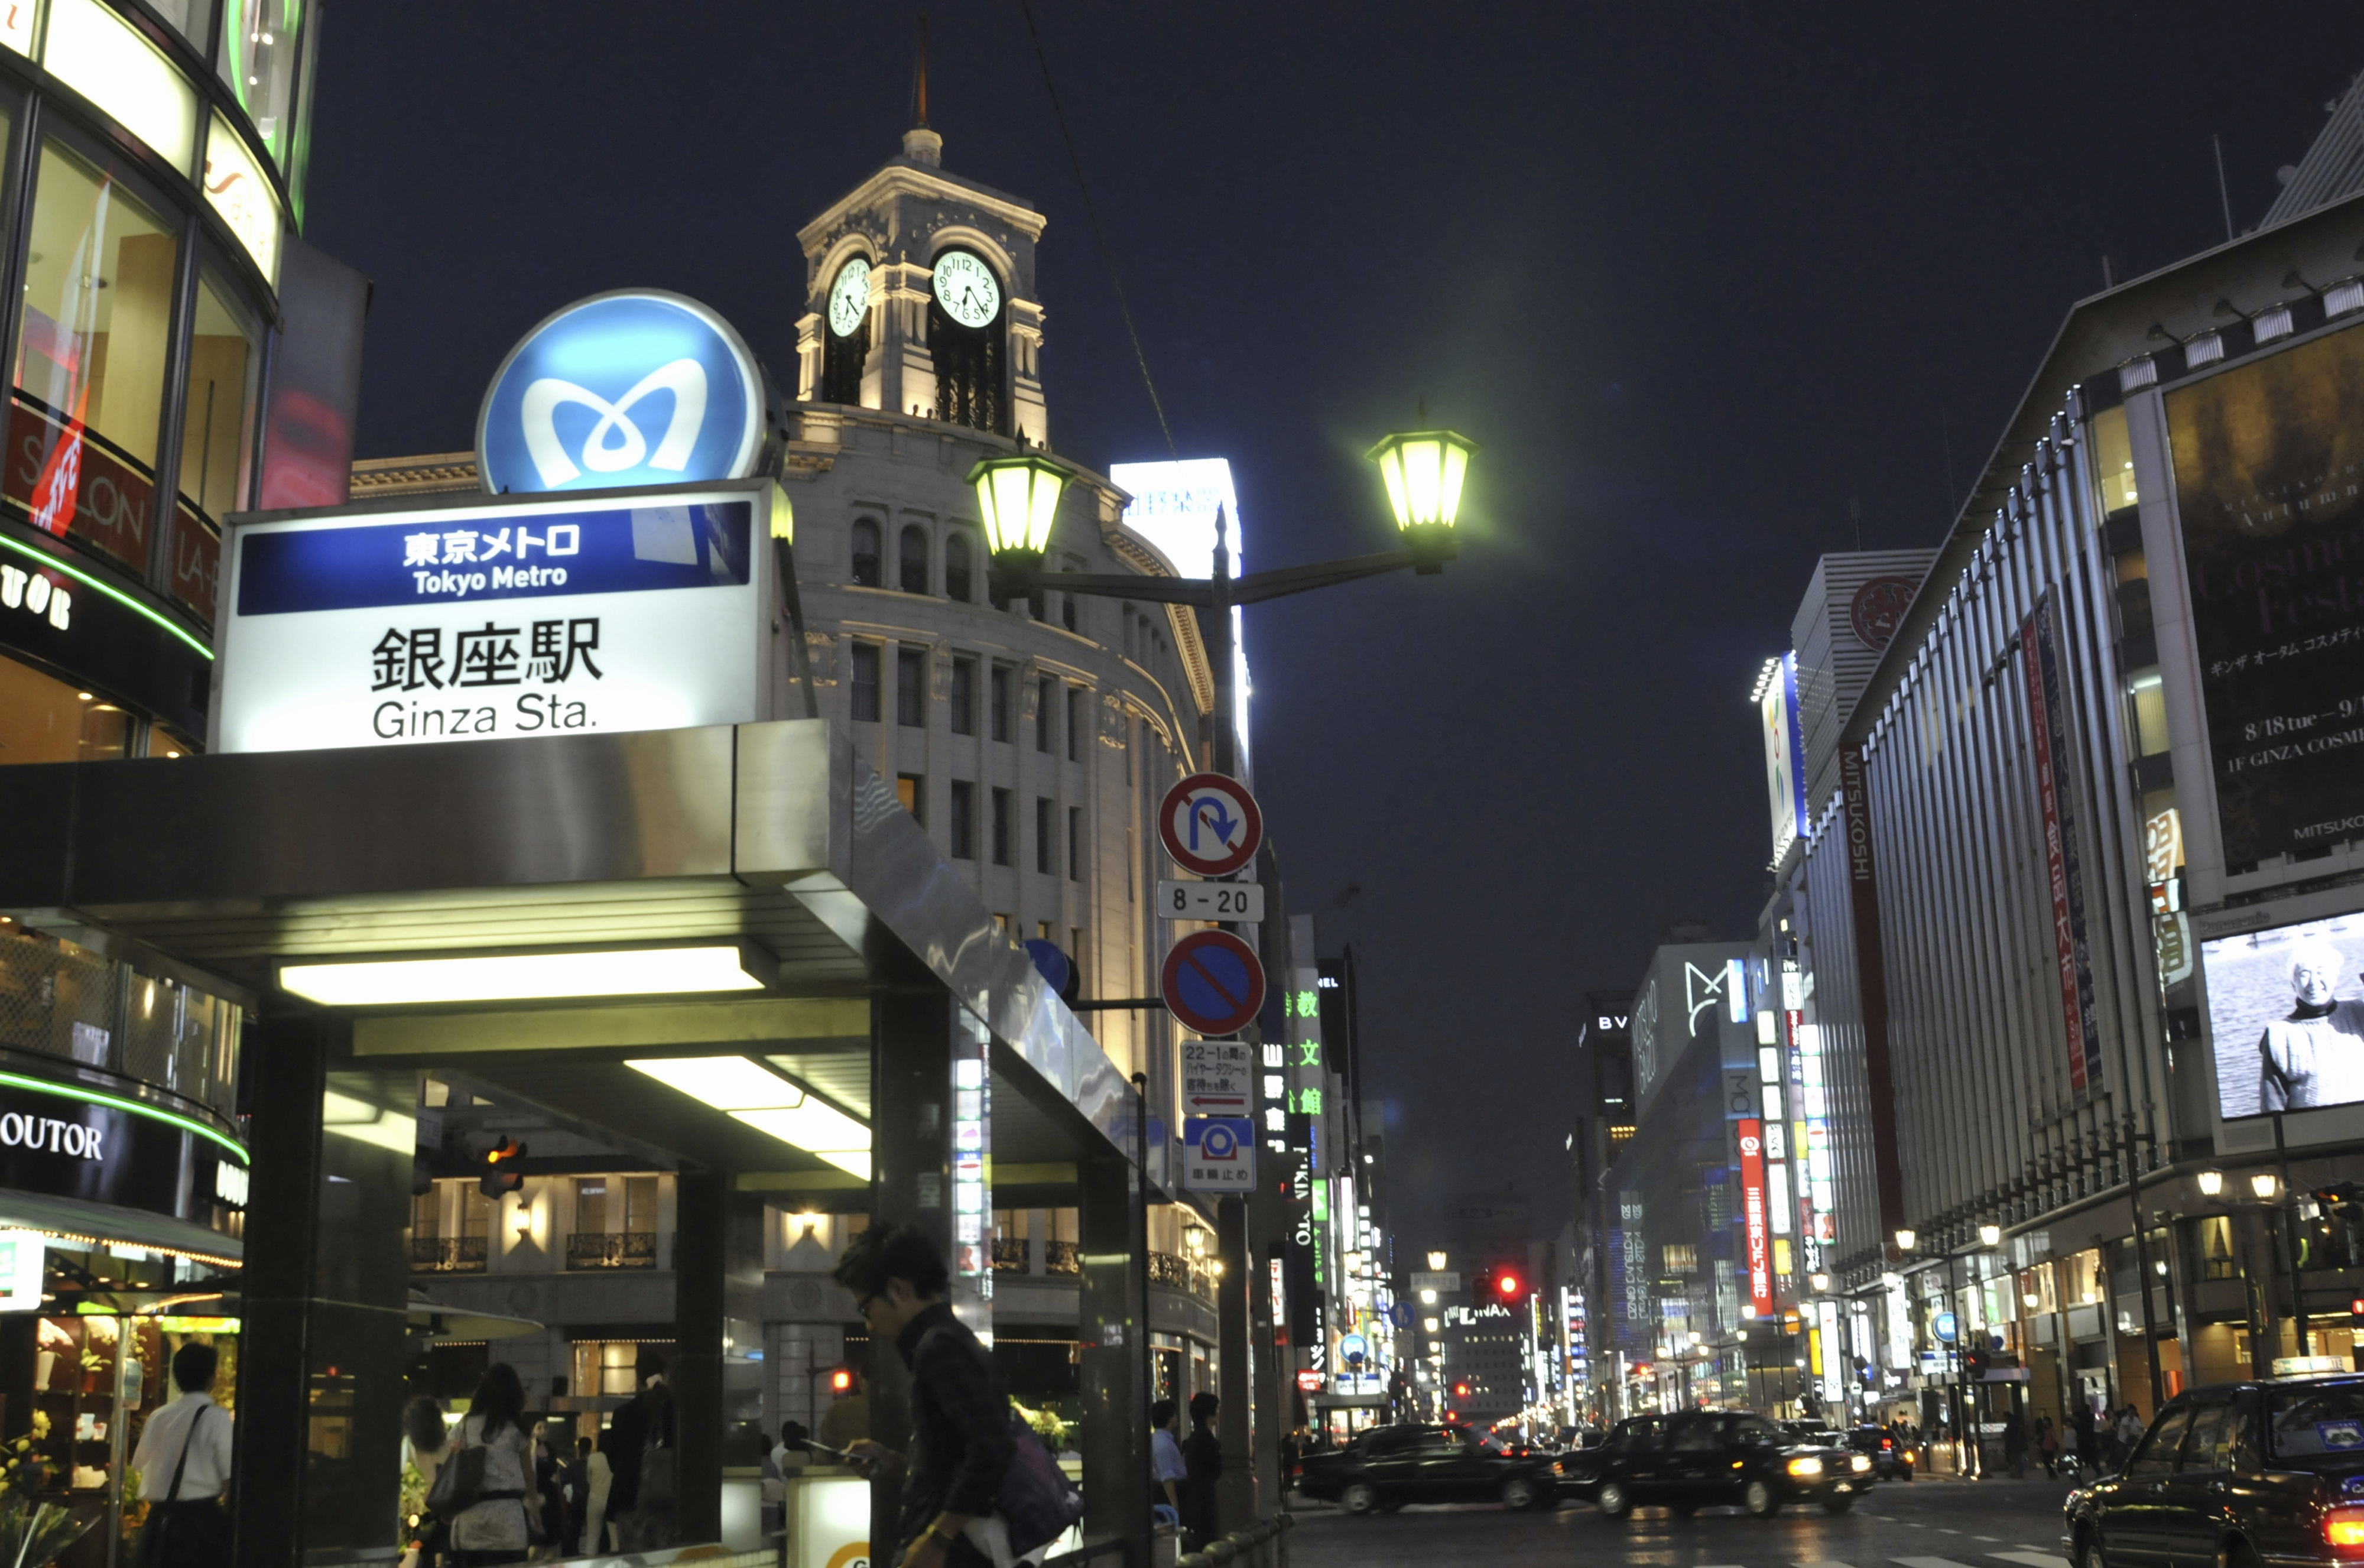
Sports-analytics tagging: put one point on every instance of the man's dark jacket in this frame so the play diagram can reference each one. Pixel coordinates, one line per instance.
(960, 1442)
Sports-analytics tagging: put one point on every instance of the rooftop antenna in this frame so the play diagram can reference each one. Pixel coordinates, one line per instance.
(2223, 194)
(920, 83)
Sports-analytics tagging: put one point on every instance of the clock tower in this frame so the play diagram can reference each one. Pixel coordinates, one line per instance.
(919, 298)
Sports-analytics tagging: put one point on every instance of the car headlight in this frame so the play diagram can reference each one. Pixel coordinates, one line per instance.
(1805, 1466)
(1862, 1462)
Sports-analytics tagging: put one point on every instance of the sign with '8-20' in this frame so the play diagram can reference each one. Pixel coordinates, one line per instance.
(502, 618)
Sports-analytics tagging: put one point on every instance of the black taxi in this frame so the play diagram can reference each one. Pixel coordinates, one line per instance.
(1704, 1459)
(2241, 1474)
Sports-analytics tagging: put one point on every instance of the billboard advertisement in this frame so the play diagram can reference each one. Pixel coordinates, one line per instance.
(2064, 872)
(2286, 1016)
(2270, 479)
(1785, 779)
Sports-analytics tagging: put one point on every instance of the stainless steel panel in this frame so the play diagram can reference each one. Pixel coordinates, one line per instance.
(793, 801)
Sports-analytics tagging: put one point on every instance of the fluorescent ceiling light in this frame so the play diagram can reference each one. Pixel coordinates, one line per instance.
(520, 977)
(769, 1104)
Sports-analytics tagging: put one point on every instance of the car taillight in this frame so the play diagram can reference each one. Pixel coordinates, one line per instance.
(1887, 1445)
(2343, 1530)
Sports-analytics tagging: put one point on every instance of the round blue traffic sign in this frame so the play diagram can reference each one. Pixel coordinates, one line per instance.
(1213, 982)
(636, 387)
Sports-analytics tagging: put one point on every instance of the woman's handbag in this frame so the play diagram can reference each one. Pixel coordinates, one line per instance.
(1037, 1501)
(458, 1484)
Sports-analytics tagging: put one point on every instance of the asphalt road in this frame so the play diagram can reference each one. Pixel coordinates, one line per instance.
(1924, 1524)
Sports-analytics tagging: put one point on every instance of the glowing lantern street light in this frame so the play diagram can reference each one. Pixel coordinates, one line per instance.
(1016, 498)
(1423, 473)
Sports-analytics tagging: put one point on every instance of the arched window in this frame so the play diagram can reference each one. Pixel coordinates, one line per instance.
(865, 554)
(957, 585)
(911, 561)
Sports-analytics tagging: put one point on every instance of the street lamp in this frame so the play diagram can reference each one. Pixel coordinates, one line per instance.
(2263, 1185)
(1436, 1262)
(1017, 498)
(1423, 473)
(1989, 1235)
(1904, 1240)
(2210, 1183)
(1821, 1282)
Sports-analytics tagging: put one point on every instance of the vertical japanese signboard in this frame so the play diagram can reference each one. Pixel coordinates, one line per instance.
(2063, 873)
(1754, 1219)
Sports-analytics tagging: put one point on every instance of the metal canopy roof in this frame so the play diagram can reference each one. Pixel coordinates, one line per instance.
(776, 833)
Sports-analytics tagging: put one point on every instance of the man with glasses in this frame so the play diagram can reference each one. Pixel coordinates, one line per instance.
(961, 1440)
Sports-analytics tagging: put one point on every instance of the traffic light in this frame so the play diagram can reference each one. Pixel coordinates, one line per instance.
(501, 1173)
(2339, 1192)
(842, 1381)
(1974, 1363)
(1507, 1286)
(2356, 1307)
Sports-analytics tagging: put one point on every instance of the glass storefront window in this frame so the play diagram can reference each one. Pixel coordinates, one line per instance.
(2086, 1286)
(238, 190)
(45, 720)
(90, 360)
(216, 438)
(261, 46)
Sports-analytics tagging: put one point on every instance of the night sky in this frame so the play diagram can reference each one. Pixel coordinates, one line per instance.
(1697, 278)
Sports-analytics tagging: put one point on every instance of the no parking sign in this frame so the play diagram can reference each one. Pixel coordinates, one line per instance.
(1218, 1155)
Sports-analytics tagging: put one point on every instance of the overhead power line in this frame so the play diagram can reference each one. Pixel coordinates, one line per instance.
(1099, 235)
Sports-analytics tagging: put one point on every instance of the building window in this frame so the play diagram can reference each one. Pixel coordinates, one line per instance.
(1075, 723)
(217, 410)
(912, 789)
(1046, 817)
(1005, 825)
(911, 560)
(1045, 689)
(910, 687)
(1002, 680)
(1682, 1258)
(963, 822)
(865, 682)
(91, 361)
(958, 583)
(964, 696)
(1074, 843)
(865, 554)
(45, 720)
(1067, 611)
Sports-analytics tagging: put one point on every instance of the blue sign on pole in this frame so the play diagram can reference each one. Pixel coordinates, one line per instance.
(635, 387)
(1218, 1155)
(1213, 982)
(1946, 1327)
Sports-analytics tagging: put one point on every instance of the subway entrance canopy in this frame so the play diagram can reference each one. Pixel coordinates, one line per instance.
(840, 950)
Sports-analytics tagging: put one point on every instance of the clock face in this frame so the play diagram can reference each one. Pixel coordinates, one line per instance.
(849, 297)
(967, 289)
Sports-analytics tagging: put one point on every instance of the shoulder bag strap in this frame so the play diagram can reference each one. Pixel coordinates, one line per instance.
(188, 1438)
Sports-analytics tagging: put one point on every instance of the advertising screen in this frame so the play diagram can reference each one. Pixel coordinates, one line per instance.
(2286, 1015)
(2269, 458)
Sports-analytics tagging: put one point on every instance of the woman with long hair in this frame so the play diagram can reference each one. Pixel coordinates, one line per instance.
(425, 1444)
(500, 1528)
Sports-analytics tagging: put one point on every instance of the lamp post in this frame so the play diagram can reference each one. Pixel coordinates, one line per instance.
(1423, 473)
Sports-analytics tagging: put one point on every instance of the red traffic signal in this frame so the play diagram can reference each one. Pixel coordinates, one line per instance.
(1461, 1391)
(840, 1381)
(501, 1175)
(1506, 1283)
(2356, 1307)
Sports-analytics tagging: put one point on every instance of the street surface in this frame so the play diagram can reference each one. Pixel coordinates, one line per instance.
(1921, 1524)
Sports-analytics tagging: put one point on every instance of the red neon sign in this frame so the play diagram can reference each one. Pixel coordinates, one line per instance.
(1752, 1207)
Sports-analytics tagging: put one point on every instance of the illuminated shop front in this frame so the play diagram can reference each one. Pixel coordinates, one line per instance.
(154, 163)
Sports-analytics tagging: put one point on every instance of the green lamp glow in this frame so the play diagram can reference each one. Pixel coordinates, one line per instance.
(1424, 471)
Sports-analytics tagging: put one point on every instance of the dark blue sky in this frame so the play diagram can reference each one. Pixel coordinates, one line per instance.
(1696, 276)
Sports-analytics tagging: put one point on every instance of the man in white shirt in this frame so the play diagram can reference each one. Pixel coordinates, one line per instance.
(190, 1438)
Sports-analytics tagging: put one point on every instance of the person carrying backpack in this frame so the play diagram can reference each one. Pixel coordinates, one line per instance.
(963, 1448)
(641, 1449)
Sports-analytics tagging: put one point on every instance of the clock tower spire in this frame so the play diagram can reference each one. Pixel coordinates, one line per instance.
(920, 294)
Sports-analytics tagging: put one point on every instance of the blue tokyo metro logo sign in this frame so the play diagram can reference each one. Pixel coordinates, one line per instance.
(638, 388)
